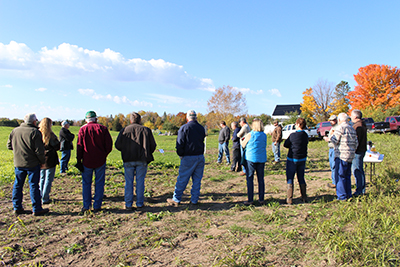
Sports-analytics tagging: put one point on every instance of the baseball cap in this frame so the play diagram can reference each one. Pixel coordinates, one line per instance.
(332, 118)
(90, 114)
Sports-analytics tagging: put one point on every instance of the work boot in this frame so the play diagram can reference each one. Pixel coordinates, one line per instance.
(289, 199)
(303, 191)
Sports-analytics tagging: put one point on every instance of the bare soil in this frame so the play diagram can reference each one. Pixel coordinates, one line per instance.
(159, 234)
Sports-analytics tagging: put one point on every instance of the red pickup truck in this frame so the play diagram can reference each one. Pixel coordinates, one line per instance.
(323, 128)
(394, 123)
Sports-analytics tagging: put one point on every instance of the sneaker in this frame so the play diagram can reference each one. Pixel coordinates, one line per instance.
(172, 202)
(331, 185)
(47, 202)
(130, 208)
(42, 212)
(248, 203)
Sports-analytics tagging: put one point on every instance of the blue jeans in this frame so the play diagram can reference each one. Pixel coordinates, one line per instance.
(293, 168)
(65, 156)
(138, 168)
(46, 179)
(357, 169)
(87, 177)
(276, 149)
(17, 193)
(191, 166)
(223, 148)
(332, 165)
(251, 168)
(242, 154)
(343, 172)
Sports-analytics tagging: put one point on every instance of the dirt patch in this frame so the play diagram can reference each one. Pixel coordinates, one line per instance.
(217, 231)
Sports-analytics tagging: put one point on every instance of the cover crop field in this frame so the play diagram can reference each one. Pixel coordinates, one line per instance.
(220, 231)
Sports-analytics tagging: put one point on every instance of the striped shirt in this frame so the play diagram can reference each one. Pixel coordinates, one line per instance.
(345, 141)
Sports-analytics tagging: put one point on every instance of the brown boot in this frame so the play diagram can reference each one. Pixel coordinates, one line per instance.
(303, 191)
(289, 199)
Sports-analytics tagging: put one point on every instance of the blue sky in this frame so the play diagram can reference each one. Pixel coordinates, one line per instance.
(60, 59)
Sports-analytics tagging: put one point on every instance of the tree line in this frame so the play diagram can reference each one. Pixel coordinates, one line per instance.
(377, 95)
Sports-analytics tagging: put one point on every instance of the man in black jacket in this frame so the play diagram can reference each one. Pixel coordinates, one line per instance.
(223, 140)
(136, 143)
(66, 138)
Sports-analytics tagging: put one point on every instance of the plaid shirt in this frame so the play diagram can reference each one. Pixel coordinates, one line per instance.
(345, 141)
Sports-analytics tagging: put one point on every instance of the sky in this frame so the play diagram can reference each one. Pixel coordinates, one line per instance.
(60, 59)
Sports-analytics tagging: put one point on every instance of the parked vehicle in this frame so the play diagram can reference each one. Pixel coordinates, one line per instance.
(370, 124)
(391, 124)
(381, 127)
(323, 128)
(394, 122)
(290, 128)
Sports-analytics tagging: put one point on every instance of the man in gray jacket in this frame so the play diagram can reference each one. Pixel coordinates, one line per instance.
(136, 143)
(27, 145)
(223, 140)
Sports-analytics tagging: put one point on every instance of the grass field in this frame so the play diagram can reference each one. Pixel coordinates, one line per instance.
(218, 232)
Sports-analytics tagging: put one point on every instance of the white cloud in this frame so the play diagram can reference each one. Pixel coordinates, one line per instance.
(41, 89)
(68, 60)
(247, 91)
(117, 99)
(168, 99)
(6, 85)
(275, 92)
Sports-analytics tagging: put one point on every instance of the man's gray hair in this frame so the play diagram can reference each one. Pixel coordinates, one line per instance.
(357, 113)
(235, 123)
(91, 120)
(191, 115)
(30, 118)
(343, 117)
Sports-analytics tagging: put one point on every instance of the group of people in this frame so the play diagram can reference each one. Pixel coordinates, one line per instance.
(347, 148)
(35, 155)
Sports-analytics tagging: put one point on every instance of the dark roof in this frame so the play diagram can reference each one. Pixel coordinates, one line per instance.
(281, 110)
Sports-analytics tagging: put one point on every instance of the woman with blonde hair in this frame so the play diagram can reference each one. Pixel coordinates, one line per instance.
(48, 169)
(255, 144)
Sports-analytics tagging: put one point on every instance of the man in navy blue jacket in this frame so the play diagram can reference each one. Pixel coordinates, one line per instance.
(190, 148)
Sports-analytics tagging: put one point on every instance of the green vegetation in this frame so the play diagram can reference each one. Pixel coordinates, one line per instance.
(220, 231)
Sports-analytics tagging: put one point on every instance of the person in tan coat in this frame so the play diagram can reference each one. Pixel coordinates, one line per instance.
(276, 139)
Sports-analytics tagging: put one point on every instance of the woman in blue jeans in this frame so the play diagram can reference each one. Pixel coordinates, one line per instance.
(48, 169)
(297, 143)
(255, 144)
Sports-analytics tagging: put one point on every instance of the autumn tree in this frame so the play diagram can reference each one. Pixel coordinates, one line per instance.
(224, 102)
(340, 101)
(316, 101)
(309, 106)
(378, 87)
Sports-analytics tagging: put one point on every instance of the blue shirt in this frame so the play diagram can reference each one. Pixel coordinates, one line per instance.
(256, 148)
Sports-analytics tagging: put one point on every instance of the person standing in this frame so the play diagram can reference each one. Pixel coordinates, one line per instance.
(236, 157)
(256, 155)
(48, 169)
(276, 139)
(333, 121)
(345, 140)
(297, 143)
(357, 166)
(223, 142)
(93, 146)
(66, 138)
(136, 143)
(27, 145)
(245, 129)
(190, 149)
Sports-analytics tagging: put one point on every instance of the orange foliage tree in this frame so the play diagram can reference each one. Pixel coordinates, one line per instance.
(378, 87)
